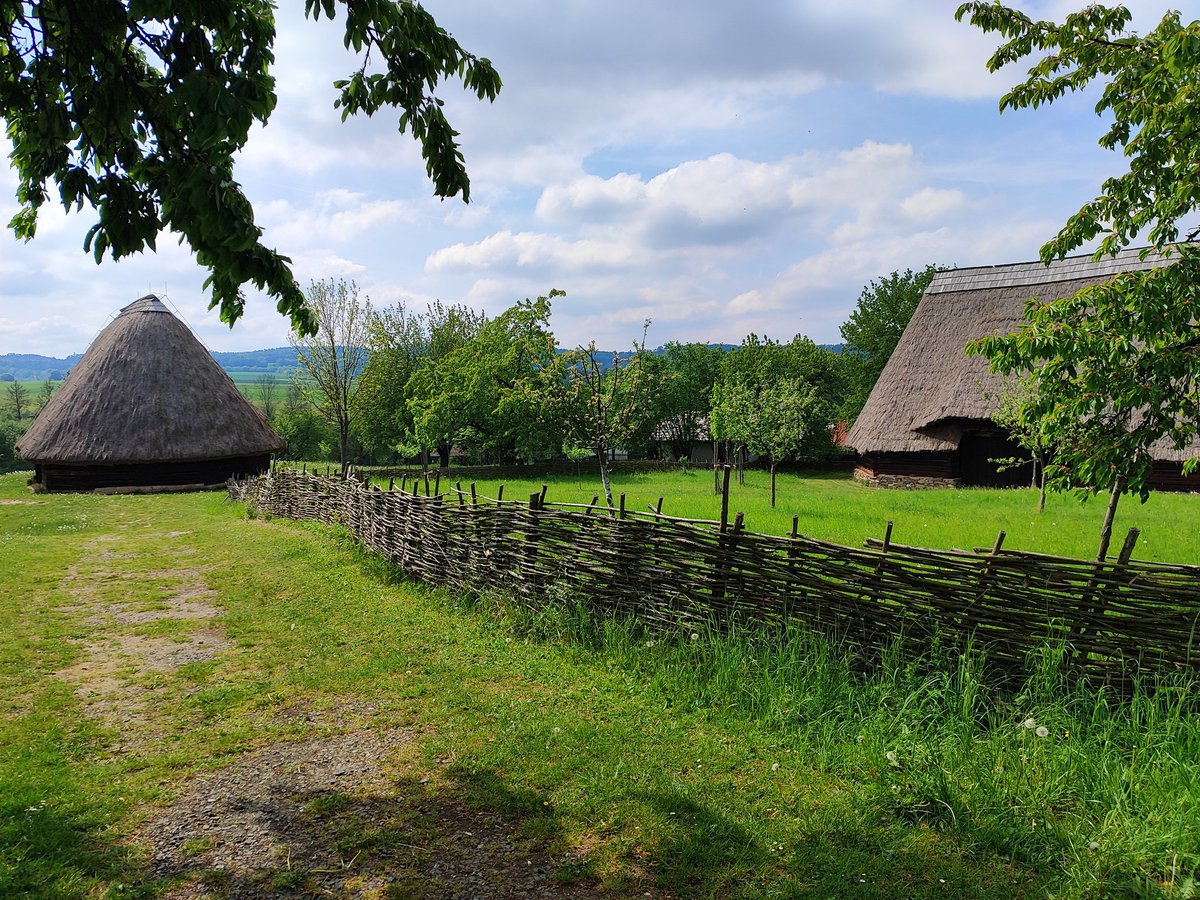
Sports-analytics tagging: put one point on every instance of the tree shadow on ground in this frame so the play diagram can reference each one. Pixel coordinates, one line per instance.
(469, 836)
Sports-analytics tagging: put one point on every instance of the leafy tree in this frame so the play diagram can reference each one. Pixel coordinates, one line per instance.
(138, 110)
(1118, 364)
(786, 415)
(685, 376)
(873, 330)
(598, 408)
(749, 373)
(10, 432)
(401, 342)
(475, 396)
(331, 358)
(18, 396)
(1027, 433)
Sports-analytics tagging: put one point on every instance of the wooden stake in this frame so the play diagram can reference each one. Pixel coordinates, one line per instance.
(725, 499)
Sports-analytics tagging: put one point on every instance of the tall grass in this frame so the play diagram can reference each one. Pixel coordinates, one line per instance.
(1101, 789)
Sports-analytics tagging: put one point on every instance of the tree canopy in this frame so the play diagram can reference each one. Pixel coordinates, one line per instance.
(1118, 363)
(137, 110)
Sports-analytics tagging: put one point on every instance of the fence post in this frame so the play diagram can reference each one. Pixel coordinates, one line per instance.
(792, 553)
(531, 549)
(725, 500)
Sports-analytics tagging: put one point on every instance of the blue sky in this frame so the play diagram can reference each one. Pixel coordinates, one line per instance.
(717, 168)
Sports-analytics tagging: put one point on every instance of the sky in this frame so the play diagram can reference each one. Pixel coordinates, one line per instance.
(716, 168)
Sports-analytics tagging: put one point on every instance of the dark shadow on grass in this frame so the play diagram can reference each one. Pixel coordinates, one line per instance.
(44, 851)
(695, 851)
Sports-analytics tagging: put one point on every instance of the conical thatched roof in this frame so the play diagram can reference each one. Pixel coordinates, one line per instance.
(930, 388)
(147, 391)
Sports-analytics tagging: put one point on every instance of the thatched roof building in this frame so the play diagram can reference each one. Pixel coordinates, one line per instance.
(928, 419)
(146, 407)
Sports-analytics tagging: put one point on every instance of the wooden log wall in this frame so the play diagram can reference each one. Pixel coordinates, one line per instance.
(1117, 617)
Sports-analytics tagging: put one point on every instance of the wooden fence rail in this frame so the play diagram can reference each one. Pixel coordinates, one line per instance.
(1117, 616)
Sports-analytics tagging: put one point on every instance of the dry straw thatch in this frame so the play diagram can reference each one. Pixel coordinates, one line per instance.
(146, 393)
(930, 391)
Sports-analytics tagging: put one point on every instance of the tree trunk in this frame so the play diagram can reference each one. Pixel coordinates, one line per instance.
(1041, 470)
(444, 455)
(740, 456)
(602, 458)
(716, 469)
(344, 447)
(1109, 515)
(772, 482)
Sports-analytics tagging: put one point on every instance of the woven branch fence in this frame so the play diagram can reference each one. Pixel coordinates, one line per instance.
(1115, 617)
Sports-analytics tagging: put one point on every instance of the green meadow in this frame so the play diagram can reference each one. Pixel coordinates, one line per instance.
(833, 507)
(733, 765)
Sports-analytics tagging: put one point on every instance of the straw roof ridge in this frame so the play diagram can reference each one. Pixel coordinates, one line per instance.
(147, 391)
(930, 389)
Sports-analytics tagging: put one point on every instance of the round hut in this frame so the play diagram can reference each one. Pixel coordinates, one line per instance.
(147, 407)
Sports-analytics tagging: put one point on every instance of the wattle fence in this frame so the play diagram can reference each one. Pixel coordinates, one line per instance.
(1115, 617)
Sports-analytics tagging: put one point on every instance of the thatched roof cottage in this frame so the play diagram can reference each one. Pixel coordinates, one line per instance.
(146, 407)
(928, 419)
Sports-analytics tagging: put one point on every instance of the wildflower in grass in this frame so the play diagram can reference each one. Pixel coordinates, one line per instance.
(1031, 723)
(892, 758)
(695, 637)
(774, 767)
(1094, 846)
(1042, 731)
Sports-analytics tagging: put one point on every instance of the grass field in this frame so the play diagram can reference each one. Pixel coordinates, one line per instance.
(835, 508)
(719, 766)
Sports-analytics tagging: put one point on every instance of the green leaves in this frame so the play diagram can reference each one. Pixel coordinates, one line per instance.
(1114, 368)
(138, 109)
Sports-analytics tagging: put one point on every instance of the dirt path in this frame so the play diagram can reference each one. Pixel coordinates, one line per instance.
(331, 813)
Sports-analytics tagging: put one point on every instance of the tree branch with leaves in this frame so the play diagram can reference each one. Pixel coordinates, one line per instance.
(1118, 364)
(137, 110)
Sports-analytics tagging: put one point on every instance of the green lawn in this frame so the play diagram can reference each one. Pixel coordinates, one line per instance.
(835, 508)
(720, 766)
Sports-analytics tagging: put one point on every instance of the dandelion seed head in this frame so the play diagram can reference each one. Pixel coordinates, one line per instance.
(1094, 845)
(1042, 731)
(1031, 723)
(891, 756)
(695, 637)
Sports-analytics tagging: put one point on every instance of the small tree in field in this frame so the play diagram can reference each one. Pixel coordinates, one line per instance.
(44, 395)
(786, 413)
(18, 396)
(596, 408)
(1014, 404)
(331, 359)
(268, 388)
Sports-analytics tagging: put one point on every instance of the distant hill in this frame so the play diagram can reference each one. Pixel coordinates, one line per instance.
(31, 367)
(241, 365)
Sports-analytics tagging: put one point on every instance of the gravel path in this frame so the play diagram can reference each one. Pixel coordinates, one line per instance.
(319, 816)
